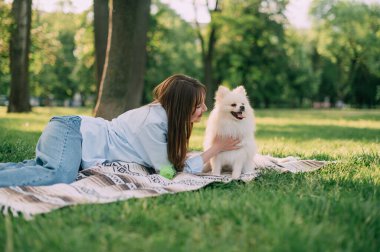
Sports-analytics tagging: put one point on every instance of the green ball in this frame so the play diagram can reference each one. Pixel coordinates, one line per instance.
(167, 172)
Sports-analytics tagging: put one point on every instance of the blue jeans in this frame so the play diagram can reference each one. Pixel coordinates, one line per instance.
(58, 156)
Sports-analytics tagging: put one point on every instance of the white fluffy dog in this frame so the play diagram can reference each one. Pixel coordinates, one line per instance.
(232, 116)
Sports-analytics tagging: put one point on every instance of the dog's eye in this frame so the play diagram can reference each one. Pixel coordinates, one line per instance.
(233, 104)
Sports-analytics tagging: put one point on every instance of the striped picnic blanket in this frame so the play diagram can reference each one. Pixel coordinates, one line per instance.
(117, 181)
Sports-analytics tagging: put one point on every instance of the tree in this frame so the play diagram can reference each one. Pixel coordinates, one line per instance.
(19, 56)
(171, 48)
(208, 49)
(61, 58)
(303, 80)
(101, 12)
(250, 50)
(5, 24)
(44, 51)
(122, 81)
(348, 37)
(83, 74)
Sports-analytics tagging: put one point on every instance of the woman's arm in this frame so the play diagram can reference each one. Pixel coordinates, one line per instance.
(152, 144)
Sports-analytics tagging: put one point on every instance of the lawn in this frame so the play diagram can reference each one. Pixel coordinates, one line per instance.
(334, 209)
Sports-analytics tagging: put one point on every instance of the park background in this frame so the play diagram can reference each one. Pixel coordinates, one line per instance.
(329, 58)
(315, 89)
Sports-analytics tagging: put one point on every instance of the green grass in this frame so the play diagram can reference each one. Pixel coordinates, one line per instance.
(334, 209)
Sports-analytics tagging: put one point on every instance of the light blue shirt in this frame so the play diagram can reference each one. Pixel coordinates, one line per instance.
(138, 135)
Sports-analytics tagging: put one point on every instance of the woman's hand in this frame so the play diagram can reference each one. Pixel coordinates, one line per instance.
(220, 144)
(226, 143)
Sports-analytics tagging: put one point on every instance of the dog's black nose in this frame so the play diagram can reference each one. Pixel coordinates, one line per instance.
(242, 108)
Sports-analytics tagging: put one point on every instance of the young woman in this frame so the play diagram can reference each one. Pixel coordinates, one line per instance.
(155, 135)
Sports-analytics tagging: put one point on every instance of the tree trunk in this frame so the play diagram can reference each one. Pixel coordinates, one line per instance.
(208, 54)
(101, 11)
(19, 56)
(208, 68)
(123, 77)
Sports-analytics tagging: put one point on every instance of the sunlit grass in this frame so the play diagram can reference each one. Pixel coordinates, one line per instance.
(311, 134)
(333, 209)
(19, 132)
(35, 121)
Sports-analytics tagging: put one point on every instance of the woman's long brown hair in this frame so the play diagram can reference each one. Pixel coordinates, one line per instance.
(179, 95)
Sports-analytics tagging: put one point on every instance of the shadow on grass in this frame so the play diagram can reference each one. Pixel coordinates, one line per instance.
(326, 132)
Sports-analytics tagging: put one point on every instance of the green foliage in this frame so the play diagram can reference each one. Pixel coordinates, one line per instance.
(53, 78)
(333, 209)
(250, 49)
(43, 56)
(339, 58)
(62, 56)
(348, 37)
(171, 48)
(84, 71)
(5, 24)
(303, 78)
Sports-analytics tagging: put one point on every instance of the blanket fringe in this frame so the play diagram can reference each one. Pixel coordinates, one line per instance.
(7, 210)
(4, 209)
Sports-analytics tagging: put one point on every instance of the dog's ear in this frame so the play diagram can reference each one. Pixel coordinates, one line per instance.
(240, 90)
(222, 91)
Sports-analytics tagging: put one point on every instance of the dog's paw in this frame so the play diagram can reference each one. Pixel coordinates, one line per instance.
(235, 175)
(215, 173)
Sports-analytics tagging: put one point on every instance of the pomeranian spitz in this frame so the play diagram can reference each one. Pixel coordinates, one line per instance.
(232, 116)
